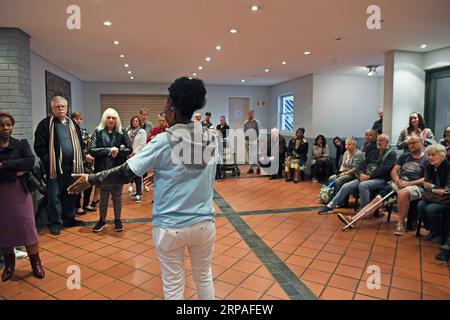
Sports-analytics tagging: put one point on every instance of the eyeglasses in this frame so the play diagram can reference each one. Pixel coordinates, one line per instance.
(163, 114)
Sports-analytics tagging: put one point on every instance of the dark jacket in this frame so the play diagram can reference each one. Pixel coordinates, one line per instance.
(301, 152)
(223, 130)
(378, 126)
(15, 158)
(369, 147)
(102, 142)
(42, 141)
(383, 162)
(440, 176)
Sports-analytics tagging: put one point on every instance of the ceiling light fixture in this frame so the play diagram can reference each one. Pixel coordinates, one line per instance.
(267, 70)
(423, 46)
(194, 74)
(255, 8)
(122, 56)
(242, 80)
(307, 53)
(129, 72)
(132, 78)
(284, 62)
(218, 48)
(126, 65)
(107, 23)
(372, 70)
(116, 43)
(233, 30)
(200, 68)
(208, 59)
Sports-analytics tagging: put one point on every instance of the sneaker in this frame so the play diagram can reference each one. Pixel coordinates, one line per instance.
(399, 229)
(250, 171)
(73, 223)
(325, 210)
(443, 256)
(296, 181)
(89, 209)
(288, 179)
(118, 226)
(130, 189)
(54, 230)
(99, 226)
(445, 247)
(81, 213)
(20, 254)
(136, 198)
(147, 189)
(315, 180)
(345, 220)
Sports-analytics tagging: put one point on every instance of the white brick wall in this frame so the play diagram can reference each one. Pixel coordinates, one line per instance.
(15, 80)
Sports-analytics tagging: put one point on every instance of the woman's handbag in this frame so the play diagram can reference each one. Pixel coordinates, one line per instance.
(32, 183)
(434, 198)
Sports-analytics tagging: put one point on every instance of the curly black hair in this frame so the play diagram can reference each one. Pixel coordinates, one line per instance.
(187, 95)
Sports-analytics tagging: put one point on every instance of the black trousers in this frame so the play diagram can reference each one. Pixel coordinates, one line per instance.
(60, 202)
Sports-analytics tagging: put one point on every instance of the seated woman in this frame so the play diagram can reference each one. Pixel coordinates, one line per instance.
(339, 144)
(446, 141)
(321, 163)
(351, 160)
(297, 155)
(436, 184)
(416, 126)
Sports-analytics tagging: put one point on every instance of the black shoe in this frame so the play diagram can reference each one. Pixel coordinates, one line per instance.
(250, 171)
(443, 256)
(258, 171)
(273, 178)
(94, 204)
(54, 230)
(87, 209)
(73, 223)
(99, 226)
(118, 226)
(325, 210)
(288, 179)
(82, 213)
(445, 247)
(296, 181)
(430, 236)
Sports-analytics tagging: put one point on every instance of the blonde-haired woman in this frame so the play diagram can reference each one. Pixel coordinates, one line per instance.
(110, 148)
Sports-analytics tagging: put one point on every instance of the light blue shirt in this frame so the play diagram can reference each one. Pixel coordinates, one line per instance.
(183, 194)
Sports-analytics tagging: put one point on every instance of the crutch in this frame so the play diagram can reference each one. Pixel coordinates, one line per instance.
(362, 213)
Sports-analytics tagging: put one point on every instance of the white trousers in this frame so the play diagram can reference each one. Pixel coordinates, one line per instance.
(170, 244)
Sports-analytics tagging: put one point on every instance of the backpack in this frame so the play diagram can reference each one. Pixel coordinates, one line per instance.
(327, 191)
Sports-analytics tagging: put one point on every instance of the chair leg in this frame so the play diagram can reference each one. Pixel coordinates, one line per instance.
(389, 210)
(419, 226)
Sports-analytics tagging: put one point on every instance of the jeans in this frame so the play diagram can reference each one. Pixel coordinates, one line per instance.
(116, 194)
(170, 245)
(138, 182)
(60, 203)
(431, 214)
(346, 190)
(366, 188)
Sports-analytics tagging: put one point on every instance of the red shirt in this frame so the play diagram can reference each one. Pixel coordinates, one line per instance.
(155, 132)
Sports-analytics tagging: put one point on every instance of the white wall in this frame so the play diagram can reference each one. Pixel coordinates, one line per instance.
(216, 98)
(302, 89)
(345, 105)
(38, 96)
(437, 59)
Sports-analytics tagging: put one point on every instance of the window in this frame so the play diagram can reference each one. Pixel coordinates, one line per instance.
(286, 115)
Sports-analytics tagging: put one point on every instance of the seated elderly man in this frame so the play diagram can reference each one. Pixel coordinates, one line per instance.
(407, 182)
(372, 175)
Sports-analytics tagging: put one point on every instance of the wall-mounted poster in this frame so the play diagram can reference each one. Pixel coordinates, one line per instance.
(57, 86)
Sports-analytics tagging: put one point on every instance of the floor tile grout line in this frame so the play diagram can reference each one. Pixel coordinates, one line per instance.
(301, 291)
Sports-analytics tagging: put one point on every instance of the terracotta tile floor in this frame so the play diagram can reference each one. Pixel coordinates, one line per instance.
(331, 263)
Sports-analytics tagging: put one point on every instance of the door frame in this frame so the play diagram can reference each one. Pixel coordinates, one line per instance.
(239, 97)
(430, 94)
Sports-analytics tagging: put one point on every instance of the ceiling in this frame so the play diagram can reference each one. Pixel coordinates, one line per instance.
(165, 39)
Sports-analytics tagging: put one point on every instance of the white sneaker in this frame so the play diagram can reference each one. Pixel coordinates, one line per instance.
(137, 198)
(130, 189)
(20, 254)
(147, 189)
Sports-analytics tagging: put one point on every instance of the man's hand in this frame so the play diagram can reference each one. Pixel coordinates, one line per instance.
(148, 181)
(440, 192)
(80, 185)
(21, 173)
(403, 184)
(89, 159)
(114, 151)
(364, 177)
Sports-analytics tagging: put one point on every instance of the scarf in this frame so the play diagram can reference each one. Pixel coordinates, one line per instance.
(77, 152)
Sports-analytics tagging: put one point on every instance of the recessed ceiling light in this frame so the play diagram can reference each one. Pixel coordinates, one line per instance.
(122, 56)
(307, 53)
(194, 74)
(218, 48)
(116, 42)
(107, 23)
(242, 80)
(284, 62)
(126, 65)
(200, 68)
(255, 8)
(423, 46)
(208, 59)
(233, 30)
(267, 70)
(129, 72)
(132, 78)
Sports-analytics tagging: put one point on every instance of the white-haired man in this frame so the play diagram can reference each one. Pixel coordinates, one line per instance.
(58, 143)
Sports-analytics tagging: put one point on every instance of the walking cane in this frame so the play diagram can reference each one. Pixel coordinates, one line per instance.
(362, 213)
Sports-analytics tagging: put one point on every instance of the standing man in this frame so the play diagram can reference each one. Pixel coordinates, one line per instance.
(251, 141)
(146, 125)
(59, 145)
(378, 125)
(223, 127)
(206, 123)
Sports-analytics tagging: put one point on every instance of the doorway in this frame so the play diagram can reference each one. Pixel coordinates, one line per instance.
(437, 100)
(238, 108)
